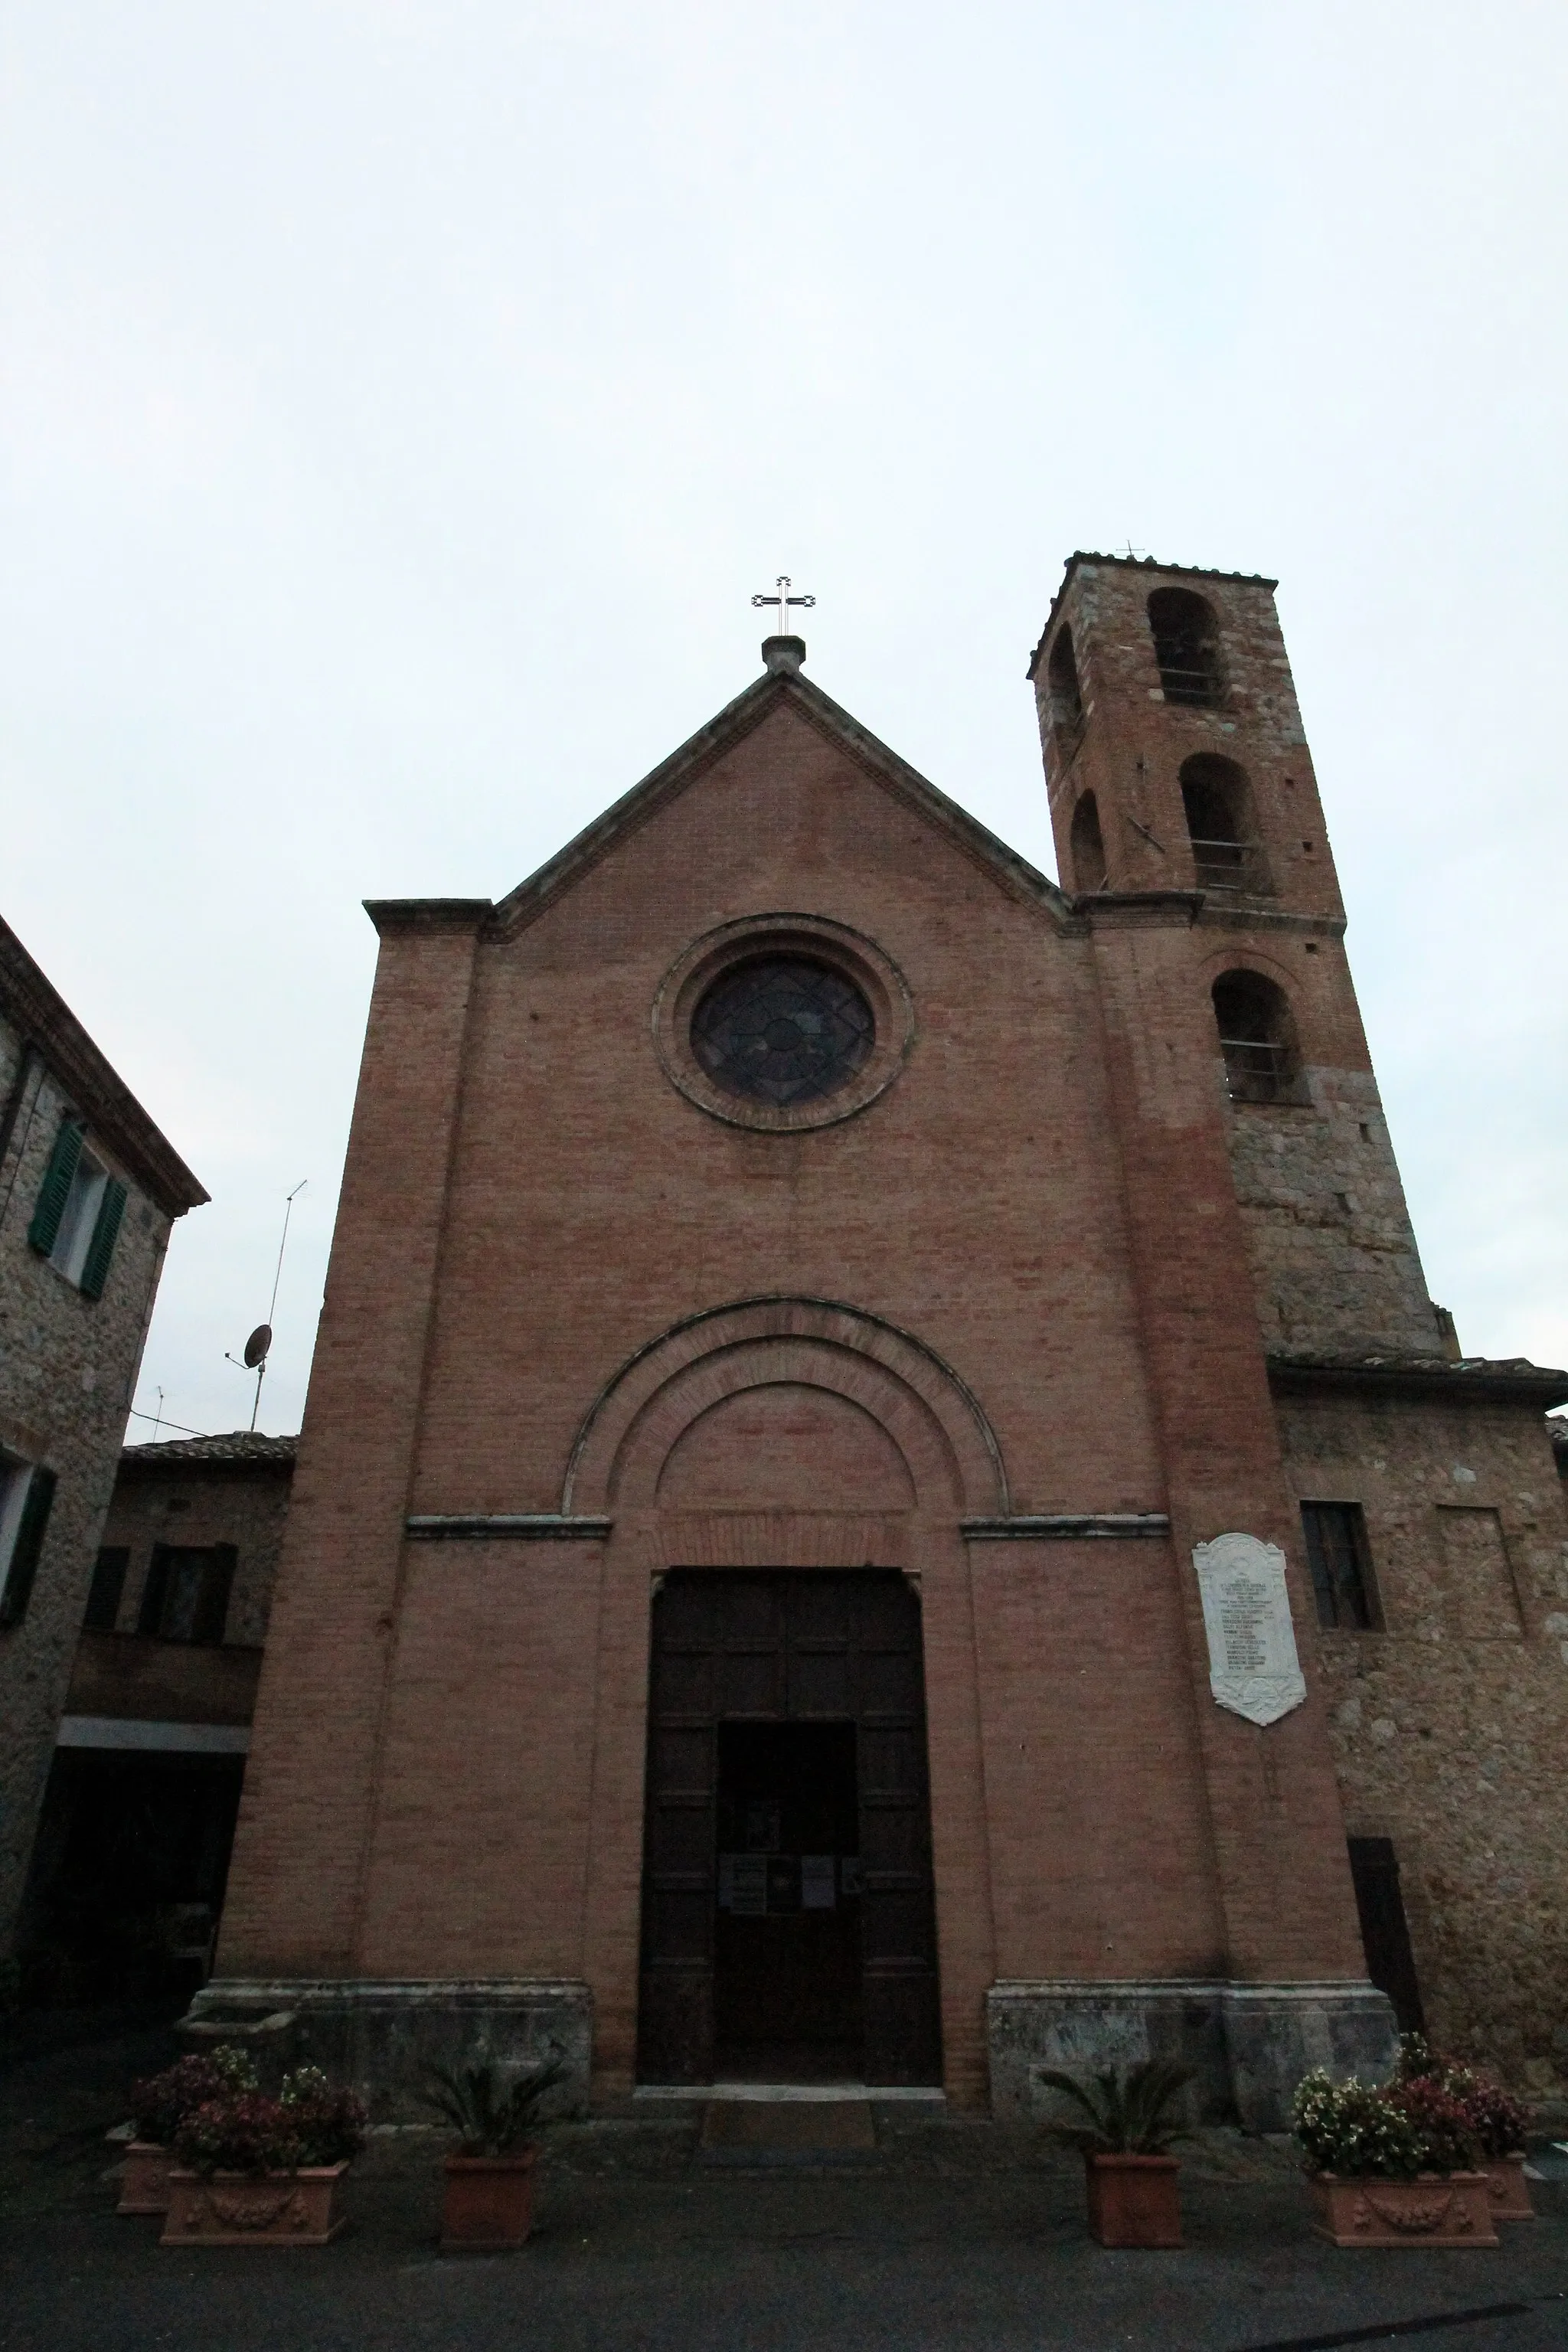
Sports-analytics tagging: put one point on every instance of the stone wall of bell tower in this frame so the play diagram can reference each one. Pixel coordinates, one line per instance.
(1181, 783)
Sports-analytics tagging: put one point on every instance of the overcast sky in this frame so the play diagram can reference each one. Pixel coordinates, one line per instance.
(401, 403)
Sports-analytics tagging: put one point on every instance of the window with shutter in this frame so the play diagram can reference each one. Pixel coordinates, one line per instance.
(105, 1232)
(27, 1547)
(186, 1594)
(108, 1585)
(56, 1189)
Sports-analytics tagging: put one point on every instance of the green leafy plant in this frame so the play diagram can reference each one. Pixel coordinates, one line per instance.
(1129, 2112)
(158, 2103)
(491, 2119)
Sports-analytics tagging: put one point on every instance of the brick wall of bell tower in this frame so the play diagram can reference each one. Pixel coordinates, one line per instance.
(1180, 781)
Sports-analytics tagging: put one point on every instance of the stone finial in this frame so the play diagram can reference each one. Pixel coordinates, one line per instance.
(783, 655)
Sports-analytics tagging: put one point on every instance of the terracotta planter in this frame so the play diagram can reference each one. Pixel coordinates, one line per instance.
(488, 2203)
(1509, 2189)
(1133, 2199)
(254, 2209)
(144, 2179)
(1435, 2209)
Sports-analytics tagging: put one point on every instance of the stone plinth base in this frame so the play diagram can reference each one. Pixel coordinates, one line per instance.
(382, 2038)
(1248, 2045)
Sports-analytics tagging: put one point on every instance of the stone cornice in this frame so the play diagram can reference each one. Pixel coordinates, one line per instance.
(505, 1527)
(391, 915)
(1065, 1526)
(1508, 1381)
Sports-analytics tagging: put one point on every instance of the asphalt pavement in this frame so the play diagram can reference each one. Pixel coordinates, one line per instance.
(947, 2235)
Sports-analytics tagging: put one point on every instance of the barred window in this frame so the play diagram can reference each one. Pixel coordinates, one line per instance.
(1216, 799)
(1186, 647)
(1258, 1038)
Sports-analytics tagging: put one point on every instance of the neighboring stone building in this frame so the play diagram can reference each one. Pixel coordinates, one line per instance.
(89, 1189)
(882, 1491)
(133, 1843)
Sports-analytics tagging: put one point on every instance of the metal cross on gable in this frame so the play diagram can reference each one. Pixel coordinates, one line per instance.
(784, 599)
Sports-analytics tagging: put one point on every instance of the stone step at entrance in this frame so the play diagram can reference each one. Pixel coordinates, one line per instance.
(763, 2131)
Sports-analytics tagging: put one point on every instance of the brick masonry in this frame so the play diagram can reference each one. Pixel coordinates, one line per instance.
(1042, 1272)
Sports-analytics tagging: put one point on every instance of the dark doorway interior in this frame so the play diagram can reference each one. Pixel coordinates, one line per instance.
(128, 1874)
(787, 1955)
(799, 1691)
(1384, 1936)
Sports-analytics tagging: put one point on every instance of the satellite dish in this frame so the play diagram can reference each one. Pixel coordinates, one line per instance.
(255, 1347)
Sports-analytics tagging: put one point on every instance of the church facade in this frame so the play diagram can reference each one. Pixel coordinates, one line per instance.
(882, 1496)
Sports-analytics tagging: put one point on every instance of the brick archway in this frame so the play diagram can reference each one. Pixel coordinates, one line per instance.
(934, 1420)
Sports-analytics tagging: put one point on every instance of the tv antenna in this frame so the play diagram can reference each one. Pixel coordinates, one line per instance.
(259, 1345)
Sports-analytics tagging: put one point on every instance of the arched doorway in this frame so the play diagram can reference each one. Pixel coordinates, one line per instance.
(788, 1923)
(787, 1447)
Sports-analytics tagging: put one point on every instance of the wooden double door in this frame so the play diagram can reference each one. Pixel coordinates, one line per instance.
(788, 1923)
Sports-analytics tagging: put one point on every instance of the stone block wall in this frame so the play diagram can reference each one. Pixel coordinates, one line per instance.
(68, 1371)
(1449, 1724)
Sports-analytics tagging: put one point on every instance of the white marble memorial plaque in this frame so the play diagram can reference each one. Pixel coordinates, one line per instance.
(1253, 1666)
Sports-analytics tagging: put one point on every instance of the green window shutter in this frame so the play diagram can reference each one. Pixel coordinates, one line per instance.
(29, 1543)
(154, 1592)
(100, 1249)
(55, 1190)
(212, 1608)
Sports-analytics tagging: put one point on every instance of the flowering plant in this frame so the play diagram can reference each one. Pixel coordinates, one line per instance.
(311, 2123)
(1498, 2121)
(159, 2103)
(1501, 2121)
(245, 2132)
(327, 2122)
(1444, 2122)
(1355, 2129)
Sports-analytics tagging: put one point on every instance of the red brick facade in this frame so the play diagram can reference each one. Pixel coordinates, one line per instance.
(583, 1327)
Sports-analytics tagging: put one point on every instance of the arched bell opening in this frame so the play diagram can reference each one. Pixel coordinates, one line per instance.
(1257, 1037)
(1186, 648)
(1222, 825)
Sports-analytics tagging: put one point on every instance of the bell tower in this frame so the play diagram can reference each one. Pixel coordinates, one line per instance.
(1183, 794)
(1174, 752)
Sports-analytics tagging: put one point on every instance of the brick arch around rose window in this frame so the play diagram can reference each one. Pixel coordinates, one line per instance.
(937, 1427)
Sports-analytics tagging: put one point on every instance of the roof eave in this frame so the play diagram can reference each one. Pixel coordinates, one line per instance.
(705, 748)
(45, 1023)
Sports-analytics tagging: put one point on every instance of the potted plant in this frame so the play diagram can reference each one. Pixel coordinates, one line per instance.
(1499, 2123)
(487, 2206)
(1130, 2178)
(158, 2104)
(1392, 2165)
(255, 2171)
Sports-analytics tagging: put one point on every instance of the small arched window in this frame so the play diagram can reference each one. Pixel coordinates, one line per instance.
(1186, 647)
(1087, 847)
(1061, 676)
(1258, 1038)
(1221, 826)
